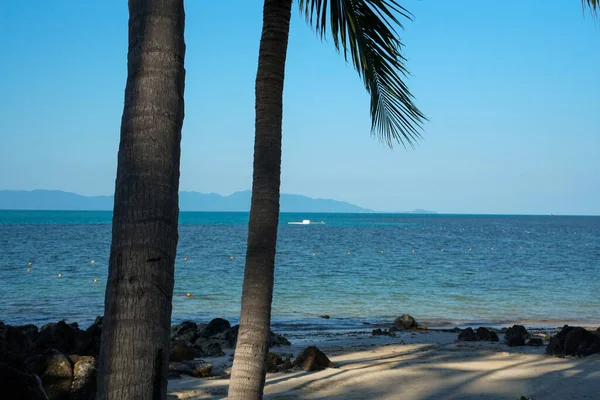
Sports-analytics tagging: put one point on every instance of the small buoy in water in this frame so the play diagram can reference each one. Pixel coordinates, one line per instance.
(185, 258)
(520, 247)
(413, 251)
(470, 249)
(231, 258)
(492, 248)
(95, 280)
(28, 269)
(93, 262)
(348, 252)
(59, 275)
(547, 246)
(30, 263)
(586, 244)
(442, 250)
(381, 252)
(569, 245)
(314, 254)
(188, 295)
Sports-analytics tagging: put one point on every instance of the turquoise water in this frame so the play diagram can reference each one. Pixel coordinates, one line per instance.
(540, 270)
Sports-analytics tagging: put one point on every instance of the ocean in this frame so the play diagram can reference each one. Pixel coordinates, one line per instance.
(445, 270)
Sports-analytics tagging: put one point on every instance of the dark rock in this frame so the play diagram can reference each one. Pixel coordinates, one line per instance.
(581, 342)
(515, 341)
(66, 338)
(535, 342)
(185, 331)
(30, 330)
(273, 360)
(276, 339)
(556, 346)
(215, 327)
(324, 316)
(312, 359)
(208, 348)
(96, 328)
(56, 371)
(203, 371)
(467, 335)
(485, 335)
(177, 367)
(200, 369)
(229, 336)
(516, 335)
(59, 336)
(17, 385)
(404, 322)
(15, 345)
(181, 351)
(84, 379)
(285, 365)
(382, 332)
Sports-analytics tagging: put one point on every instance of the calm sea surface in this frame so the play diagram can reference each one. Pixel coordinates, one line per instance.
(356, 268)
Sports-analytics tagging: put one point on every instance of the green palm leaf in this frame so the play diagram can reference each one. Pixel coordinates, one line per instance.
(593, 5)
(364, 31)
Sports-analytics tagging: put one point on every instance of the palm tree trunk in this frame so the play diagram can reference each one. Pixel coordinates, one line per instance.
(249, 365)
(134, 353)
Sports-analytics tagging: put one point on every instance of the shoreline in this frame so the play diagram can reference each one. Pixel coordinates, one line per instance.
(407, 360)
(414, 365)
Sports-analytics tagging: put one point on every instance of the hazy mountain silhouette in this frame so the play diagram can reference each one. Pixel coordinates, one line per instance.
(188, 201)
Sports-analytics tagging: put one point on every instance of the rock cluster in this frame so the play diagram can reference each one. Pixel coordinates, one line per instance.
(58, 360)
(481, 335)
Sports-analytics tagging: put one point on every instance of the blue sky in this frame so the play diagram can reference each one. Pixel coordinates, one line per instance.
(510, 87)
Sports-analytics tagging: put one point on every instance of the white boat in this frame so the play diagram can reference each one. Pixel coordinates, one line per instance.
(306, 222)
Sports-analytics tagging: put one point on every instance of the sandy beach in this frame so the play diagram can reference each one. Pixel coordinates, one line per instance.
(415, 365)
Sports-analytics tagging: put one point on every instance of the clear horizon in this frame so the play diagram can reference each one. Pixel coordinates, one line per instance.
(510, 89)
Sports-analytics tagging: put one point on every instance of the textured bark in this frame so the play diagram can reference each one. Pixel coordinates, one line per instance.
(250, 362)
(133, 360)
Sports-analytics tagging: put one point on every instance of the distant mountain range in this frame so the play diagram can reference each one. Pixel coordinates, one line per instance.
(188, 201)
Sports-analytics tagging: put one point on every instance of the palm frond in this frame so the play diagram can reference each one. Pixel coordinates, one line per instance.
(365, 32)
(593, 5)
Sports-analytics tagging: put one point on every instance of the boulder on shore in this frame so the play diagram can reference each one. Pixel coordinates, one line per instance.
(56, 372)
(15, 345)
(516, 335)
(215, 327)
(405, 322)
(84, 378)
(574, 341)
(312, 359)
(486, 335)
